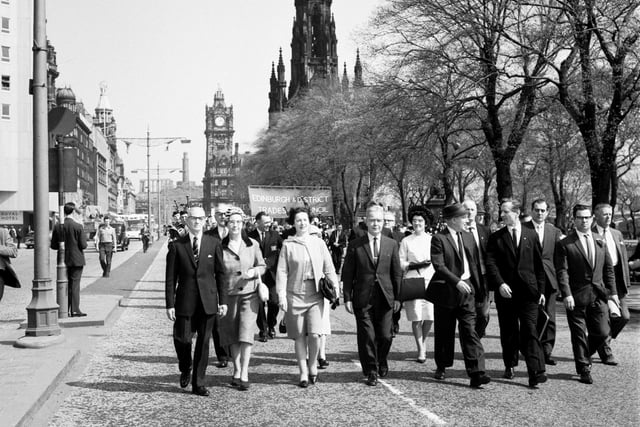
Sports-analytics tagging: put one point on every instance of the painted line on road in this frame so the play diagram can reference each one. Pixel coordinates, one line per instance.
(433, 418)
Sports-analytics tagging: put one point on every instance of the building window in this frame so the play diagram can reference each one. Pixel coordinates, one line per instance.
(6, 111)
(5, 24)
(5, 53)
(224, 182)
(6, 82)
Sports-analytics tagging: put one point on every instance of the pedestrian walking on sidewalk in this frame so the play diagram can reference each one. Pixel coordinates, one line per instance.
(72, 235)
(244, 265)
(8, 250)
(107, 244)
(195, 293)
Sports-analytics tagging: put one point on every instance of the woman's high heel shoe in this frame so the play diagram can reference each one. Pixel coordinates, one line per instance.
(303, 384)
(313, 379)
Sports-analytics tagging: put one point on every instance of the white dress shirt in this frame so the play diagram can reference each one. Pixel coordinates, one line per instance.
(466, 272)
(540, 230)
(199, 236)
(611, 244)
(586, 238)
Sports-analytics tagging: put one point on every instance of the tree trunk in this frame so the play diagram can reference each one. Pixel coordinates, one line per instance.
(504, 183)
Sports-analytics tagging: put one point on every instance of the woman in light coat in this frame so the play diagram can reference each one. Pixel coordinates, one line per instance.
(304, 259)
(244, 265)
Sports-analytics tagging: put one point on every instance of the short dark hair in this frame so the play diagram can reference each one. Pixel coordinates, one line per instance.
(295, 211)
(539, 201)
(581, 207)
(422, 212)
(260, 214)
(69, 208)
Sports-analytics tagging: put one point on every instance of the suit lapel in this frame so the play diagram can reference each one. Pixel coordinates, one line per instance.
(453, 244)
(189, 249)
(506, 236)
(580, 246)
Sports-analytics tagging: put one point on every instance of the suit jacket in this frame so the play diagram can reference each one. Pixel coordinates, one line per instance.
(359, 273)
(8, 250)
(450, 267)
(548, 248)
(519, 268)
(270, 249)
(186, 281)
(337, 237)
(75, 242)
(576, 276)
(213, 232)
(621, 270)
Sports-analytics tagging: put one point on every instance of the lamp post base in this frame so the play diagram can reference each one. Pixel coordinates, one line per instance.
(38, 342)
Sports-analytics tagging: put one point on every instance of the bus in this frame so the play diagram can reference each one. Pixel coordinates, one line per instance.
(135, 222)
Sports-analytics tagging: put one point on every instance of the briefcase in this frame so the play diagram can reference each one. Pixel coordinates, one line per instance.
(412, 288)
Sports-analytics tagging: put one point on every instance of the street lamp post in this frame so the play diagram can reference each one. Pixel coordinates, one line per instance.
(148, 143)
(158, 189)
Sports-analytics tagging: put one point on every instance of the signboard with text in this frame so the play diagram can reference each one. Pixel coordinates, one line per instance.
(276, 201)
(10, 217)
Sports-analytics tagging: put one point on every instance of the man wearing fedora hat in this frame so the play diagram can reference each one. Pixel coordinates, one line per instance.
(194, 295)
(454, 289)
(516, 275)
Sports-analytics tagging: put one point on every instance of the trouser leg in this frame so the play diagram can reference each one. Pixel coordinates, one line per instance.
(444, 330)
(509, 331)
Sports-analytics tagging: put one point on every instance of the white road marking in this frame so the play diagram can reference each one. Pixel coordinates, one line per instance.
(433, 418)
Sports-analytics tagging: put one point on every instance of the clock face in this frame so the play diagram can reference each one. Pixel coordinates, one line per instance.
(219, 121)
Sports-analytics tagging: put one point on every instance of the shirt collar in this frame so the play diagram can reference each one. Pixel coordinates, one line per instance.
(191, 236)
(371, 237)
(601, 230)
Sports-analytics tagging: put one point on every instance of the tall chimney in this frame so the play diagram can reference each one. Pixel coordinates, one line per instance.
(185, 169)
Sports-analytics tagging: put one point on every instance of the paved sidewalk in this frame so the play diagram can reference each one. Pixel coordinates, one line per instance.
(29, 376)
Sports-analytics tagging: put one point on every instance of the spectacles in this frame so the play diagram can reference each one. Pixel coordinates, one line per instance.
(583, 218)
(539, 210)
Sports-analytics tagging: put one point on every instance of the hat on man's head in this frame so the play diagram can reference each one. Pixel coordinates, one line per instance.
(453, 211)
(197, 211)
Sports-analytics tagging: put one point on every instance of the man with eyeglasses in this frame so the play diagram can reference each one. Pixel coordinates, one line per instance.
(548, 236)
(587, 281)
(194, 295)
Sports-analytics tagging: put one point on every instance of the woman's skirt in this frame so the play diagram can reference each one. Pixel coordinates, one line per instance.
(239, 325)
(305, 312)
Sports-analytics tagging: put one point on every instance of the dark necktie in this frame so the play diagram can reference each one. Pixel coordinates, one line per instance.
(376, 252)
(589, 256)
(195, 248)
(460, 247)
(514, 236)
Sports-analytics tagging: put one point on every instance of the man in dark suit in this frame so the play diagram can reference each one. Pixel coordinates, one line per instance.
(618, 252)
(481, 235)
(587, 281)
(371, 277)
(8, 250)
(516, 275)
(548, 236)
(454, 289)
(72, 236)
(337, 243)
(194, 294)
(219, 232)
(270, 245)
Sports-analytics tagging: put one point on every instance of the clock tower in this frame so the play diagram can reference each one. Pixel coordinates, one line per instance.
(222, 161)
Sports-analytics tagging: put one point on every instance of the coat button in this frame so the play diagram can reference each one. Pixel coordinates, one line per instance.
(240, 288)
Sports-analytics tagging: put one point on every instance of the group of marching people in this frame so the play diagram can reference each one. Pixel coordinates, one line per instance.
(222, 282)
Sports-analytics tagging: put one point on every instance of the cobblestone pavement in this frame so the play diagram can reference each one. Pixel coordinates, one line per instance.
(132, 379)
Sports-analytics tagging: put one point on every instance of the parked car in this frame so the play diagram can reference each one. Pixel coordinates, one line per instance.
(29, 240)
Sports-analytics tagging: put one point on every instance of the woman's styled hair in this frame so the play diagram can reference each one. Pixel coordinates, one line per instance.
(295, 211)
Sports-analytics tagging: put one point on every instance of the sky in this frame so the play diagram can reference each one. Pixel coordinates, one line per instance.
(163, 60)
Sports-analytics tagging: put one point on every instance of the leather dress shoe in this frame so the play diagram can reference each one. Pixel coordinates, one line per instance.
(272, 333)
(550, 361)
(185, 377)
(244, 385)
(78, 314)
(372, 379)
(223, 364)
(611, 361)
(383, 371)
(262, 337)
(536, 379)
(439, 375)
(585, 378)
(200, 391)
(509, 373)
(478, 380)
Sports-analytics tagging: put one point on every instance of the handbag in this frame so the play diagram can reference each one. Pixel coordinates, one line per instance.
(412, 288)
(282, 327)
(263, 291)
(328, 291)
